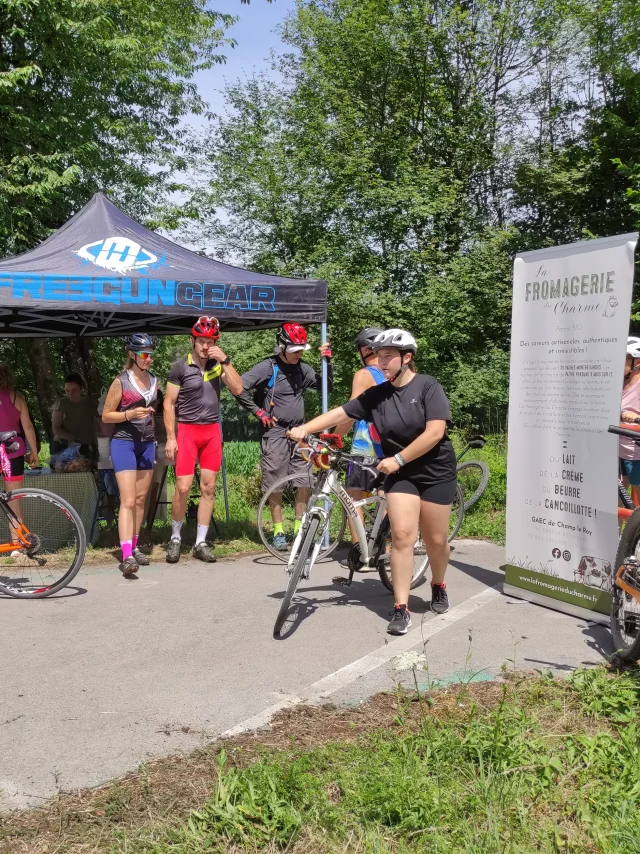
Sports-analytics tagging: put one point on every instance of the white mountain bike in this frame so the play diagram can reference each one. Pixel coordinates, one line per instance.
(373, 531)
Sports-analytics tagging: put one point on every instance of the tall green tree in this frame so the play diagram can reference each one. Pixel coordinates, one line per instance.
(382, 164)
(92, 94)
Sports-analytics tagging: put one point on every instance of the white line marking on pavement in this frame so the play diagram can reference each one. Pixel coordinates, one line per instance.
(323, 688)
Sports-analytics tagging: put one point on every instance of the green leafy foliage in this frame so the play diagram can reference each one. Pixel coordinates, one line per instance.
(91, 97)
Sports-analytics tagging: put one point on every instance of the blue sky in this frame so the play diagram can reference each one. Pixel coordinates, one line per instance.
(256, 35)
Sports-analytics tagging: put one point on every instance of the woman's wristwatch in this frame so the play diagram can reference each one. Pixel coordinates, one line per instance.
(399, 460)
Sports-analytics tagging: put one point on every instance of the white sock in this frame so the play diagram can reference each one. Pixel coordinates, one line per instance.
(175, 529)
(201, 535)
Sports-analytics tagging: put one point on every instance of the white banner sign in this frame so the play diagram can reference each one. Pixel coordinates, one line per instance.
(571, 307)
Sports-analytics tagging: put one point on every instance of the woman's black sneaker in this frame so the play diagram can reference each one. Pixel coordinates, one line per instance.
(141, 558)
(439, 599)
(400, 621)
(129, 567)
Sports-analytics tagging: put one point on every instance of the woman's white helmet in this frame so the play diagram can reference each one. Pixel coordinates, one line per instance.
(633, 347)
(397, 338)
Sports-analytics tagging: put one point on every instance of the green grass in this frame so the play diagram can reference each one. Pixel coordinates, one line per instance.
(534, 764)
(488, 518)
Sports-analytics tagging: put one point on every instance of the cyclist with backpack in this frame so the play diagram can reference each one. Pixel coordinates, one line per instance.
(273, 390)
(365, 441)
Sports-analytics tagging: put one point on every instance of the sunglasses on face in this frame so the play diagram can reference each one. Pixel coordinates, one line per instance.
(144, 355)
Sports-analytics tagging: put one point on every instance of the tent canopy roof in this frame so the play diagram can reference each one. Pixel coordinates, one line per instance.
(103, 273)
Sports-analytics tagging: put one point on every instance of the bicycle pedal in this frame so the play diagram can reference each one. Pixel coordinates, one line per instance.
(340, 579)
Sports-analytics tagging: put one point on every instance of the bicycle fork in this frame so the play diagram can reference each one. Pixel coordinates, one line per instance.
(313, 512)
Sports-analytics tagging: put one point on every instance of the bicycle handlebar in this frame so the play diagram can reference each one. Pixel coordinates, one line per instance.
(628, 432)
(368, 463)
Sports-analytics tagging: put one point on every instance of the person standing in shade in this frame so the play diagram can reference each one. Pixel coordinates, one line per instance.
(14, 415)
(273, 391)
(74, 419)
(130, 405)
(193, 389)
(366, 441)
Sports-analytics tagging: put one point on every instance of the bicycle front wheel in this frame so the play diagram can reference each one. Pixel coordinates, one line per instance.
(55, 547)
(296, 489)
(625, 609)
(302, 563)
(473, 477)
(420, 557)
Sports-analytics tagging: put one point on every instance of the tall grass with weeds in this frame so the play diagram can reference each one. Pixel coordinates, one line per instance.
(529, 764)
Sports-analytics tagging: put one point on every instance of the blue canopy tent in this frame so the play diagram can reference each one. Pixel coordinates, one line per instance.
(104, 274)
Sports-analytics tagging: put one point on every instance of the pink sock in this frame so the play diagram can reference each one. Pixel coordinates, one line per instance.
(127, 548)
(134, 542)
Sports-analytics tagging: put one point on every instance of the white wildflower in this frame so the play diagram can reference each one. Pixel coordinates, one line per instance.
(409, 661)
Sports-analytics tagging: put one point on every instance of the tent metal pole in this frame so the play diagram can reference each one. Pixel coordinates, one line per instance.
(325, 407)
(325, 376)
(225, 491)
(224, 488)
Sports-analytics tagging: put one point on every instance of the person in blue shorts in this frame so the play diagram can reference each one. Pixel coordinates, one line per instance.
(130, 406)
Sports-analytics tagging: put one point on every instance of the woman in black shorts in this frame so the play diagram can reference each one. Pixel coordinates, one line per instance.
(411, 413)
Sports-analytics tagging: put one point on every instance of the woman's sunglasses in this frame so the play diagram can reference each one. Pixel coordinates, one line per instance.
(144, 355)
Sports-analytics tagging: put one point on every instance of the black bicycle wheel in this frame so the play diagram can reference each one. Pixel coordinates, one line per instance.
(288, 487)
(420, 558)
(473, 477)
(297, 572)
(625, 609)
(57, 543)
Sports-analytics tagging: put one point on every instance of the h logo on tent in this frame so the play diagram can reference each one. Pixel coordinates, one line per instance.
(118, 254)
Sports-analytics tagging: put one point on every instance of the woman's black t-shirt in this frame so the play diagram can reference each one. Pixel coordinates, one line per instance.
(400, 415)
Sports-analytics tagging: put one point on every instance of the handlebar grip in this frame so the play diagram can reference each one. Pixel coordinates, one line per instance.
(624, 431)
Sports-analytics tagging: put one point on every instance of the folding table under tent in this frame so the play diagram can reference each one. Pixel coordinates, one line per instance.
(104, 274)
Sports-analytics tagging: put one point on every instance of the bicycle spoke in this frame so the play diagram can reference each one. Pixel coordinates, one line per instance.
(55, 549)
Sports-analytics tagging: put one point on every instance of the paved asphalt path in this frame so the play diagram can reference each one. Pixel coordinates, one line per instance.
(110, 672)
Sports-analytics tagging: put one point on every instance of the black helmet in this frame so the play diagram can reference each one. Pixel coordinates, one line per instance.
(365, 338)
(140, 341)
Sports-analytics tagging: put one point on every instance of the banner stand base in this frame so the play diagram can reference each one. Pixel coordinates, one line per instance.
(555, 605)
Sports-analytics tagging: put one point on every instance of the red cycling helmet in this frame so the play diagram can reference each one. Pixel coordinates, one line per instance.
(206, 327)
(292, 335)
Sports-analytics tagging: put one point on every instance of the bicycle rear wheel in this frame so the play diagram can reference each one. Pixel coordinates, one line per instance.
(288, 487)
(473, 477)
(420, 558)
(55, 548)
(625, 609)
(302, 561)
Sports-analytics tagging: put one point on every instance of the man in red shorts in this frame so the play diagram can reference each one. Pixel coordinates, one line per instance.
(193, 389)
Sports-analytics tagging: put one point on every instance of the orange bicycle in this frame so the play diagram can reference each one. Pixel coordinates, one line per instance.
(42, 539)
(625, 586)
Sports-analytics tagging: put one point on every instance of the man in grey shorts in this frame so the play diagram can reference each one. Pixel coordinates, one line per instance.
(273, 391)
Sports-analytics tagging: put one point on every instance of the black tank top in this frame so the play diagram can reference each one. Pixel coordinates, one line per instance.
(140, 430)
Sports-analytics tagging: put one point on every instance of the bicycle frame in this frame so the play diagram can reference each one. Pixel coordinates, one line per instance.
(330, 488)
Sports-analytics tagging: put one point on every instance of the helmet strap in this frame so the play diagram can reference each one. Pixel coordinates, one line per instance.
(402, 368)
